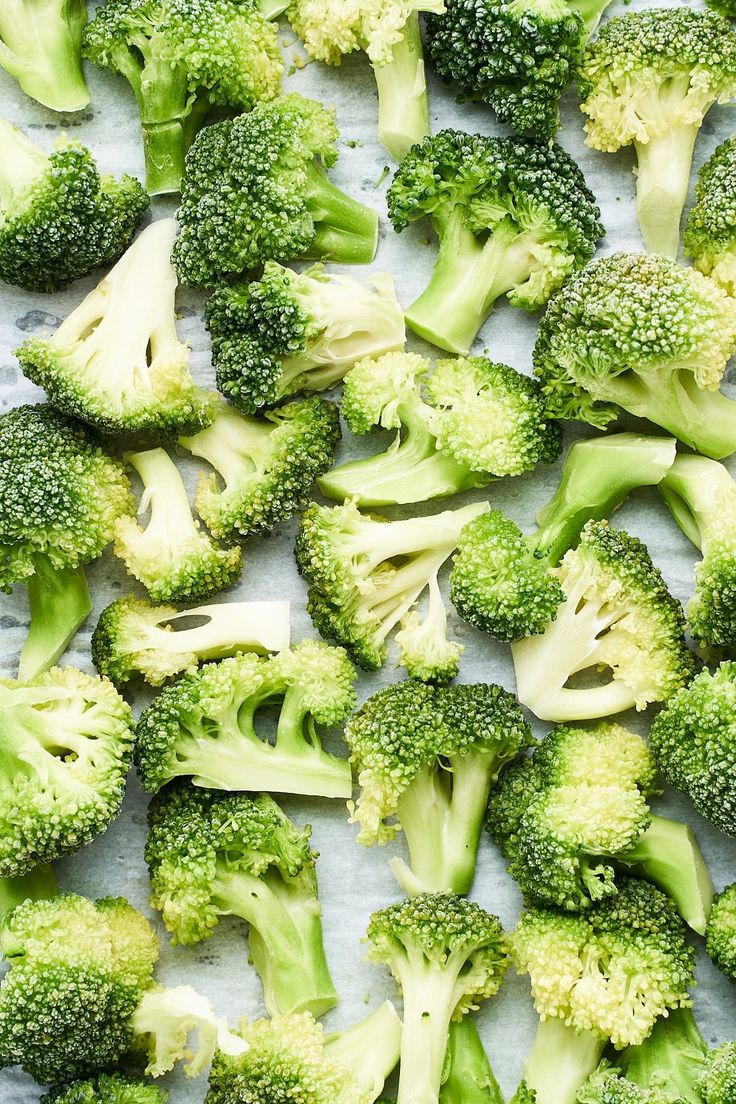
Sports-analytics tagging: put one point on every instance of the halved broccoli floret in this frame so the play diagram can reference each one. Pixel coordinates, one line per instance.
(182, 57)
(264, 467)
(290, 332)
(513, 217)
(212, 854)
(134, 638)
(40, 45)
(648, 80)
(638, 332)
(720, 937)
(469, 422)
(467, 1077)
(255, 189)
(425, 759)
(60, 495)
(710, 233)
(366, 576)
(59, 218)
(108, 1088)
(447, 955)
(173, 558)
(573, 816)
(116, 362)
(209, 726)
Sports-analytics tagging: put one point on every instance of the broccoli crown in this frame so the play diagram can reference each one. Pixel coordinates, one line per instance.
(718, 1083)
(612, 970)
(60, 493)
(518, 56)
(108, 1088)
(693, 742)
(710, 234)
(331, 29)
(720, 936)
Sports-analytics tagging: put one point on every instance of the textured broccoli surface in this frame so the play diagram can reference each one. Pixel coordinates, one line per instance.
(255, 189)
(720, 939)
(710, 233)
(108, 1088)
(40, 45)
(641, 333)
(513, 217)
(208, 725)
(467, 1077)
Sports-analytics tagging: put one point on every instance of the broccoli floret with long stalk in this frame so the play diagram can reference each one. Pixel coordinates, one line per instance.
(710, 232)
(40, 45)
(720, 936)
(578, 813)
(79, 996)
(256, 189)
(502, 580)
(264, 467)
(211, 854)
(116, 361)
(182, 57)
(447, 955)
(367, 575)
(173, 558)
(467, 1077)
(290, 332)
(513, 217)
(425, 759)
(134, 639)
(605, 975)
(648, 80)
(59, 218)
(467, 423)
(60, 495)
(108, 1088)
(209, 724)
(660, 342)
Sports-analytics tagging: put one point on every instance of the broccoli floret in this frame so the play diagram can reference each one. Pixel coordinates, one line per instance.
(576, 813)
(710, 233)
(638, 332)
(694, 743)
(134, 638)
(718, 1083)
(79, 995)
(618, 624)
(59, 218)
(60, 496)
(172, 557)
(447, 955)
(467, 1077)
(207, 725)
(40, 45)
(255, 189)
(513, 217)
(720, 937)
(648, 80)
(116, 362)
(366, 576)
(502, 581)
(478, 421)
(425, 759)
(182, 57)
(290, 332)
(211, 855)
(108, 1088)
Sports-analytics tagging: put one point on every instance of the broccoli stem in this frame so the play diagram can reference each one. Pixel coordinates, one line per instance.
(346, 231)
(38, 885)
(590, 11)
(60, 601)
(692, 490)
(468, 1077)
(671, 1060)
(428, 1007)
(560, 1060)
(403, 106)
(228, 628)
(21, 165)
(164, 1021)
(170, 521)
(40, 45)
(370, 1049)
(662, 181)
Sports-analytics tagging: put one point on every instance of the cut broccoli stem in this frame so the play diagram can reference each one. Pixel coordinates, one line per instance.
(38, 885)
(272, 9)
(671, 1060)
(21, 165)
(560, 1060)
(346, 231)
(428, 1007)
(226, 629)
(60, 602)
(264, 768)
(166, 497)
(403, 107)
(40, 45)
(370, 1049)
(165, 1018)
(662, 181)
(469, 1078)
(692, 490)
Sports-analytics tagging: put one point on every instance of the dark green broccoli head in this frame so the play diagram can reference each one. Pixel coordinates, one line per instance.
(718, 1083)
(108, 1088)
(720, 936)
(710, 234)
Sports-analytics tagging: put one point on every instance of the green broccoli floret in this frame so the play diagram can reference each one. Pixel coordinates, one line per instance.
(182, 57)
(208, 724)
(570, 818)
(607, 974)
(60, 496)
(290, 332)
(513, 217)
(425, 759)
(366, 576)
(710, 233)
(648, 80)
(40, 45)
(475, 421)
(108, 1088)
(59, 218)
(718, 1083)
(255, 189)
(638, 332)
(694, 743)
(502, 580)
(116, 362)
(720, 937)
(173, 558)
(136, 639)
(79, 995)
(618, 624)
(467, 1077)
(447, 955)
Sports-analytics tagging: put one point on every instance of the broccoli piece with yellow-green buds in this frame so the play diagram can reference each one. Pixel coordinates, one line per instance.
(717, 1085)
(108, 1088)
(720, 937)
(40, 45)
(710, 233)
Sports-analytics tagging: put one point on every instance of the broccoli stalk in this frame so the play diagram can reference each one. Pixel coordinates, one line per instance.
(660, 197)
(40, 45)
(37, 885)
(559, 1062)
(345, 230)
(370, 1049)
(403, 107)
(60, 602)
(467, 1077)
